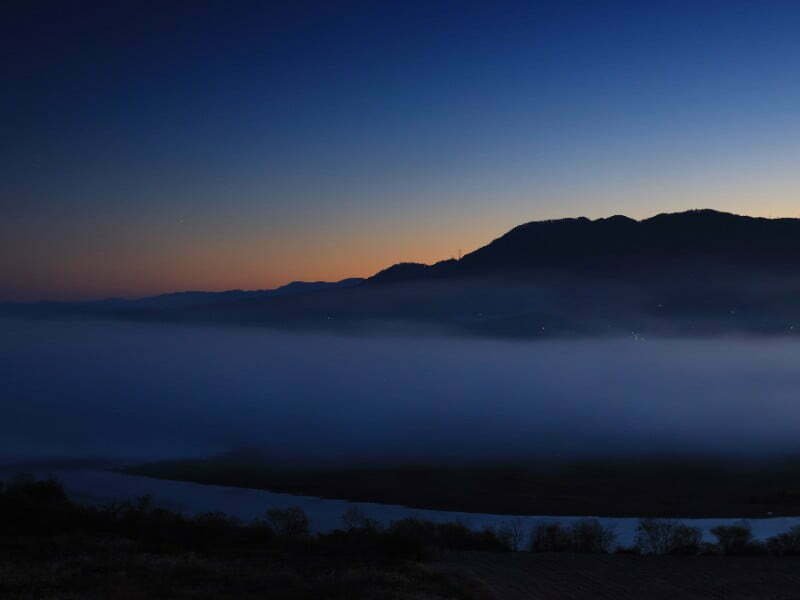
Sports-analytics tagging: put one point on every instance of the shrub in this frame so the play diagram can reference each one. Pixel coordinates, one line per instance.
(457, 536)
(486, 539)
(417, 539)
(686, 540)
(653, 536)
(38, 507)
(410, 538)
(590, 537)
(289, 522)
(586, 536)
(550, 537)
(354, 519)
(664, 536)
(735, 539)
(785, 544)
(511, 534)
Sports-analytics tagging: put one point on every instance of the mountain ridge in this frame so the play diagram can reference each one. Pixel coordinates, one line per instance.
(618, 241)
(696, 273)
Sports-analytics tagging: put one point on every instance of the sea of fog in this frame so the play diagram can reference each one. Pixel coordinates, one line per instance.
(145, 391)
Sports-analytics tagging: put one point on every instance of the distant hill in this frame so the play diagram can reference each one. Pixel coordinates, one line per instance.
(700, 272)
(173, 301)
(199, 298)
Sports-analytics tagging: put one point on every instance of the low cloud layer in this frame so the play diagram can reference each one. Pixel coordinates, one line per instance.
(126, 390)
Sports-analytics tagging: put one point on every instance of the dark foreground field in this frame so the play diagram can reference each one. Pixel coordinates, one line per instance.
(115, 570)
(97, 569)
(688, 487)
(51, 547)
(521, 575)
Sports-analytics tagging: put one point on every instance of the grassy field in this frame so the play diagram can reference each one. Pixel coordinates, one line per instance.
(681, 488)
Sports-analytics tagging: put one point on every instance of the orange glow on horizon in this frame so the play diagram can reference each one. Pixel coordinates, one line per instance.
(121, 268)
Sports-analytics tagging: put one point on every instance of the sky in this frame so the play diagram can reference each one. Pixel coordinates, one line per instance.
(149, 147)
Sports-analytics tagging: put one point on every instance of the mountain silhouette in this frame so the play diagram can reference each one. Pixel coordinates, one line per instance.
(624, 248)
(699, 272)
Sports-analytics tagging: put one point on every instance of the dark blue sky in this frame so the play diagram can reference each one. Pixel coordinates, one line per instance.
(157, 146)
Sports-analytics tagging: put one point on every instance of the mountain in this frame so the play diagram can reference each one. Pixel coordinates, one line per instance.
(700, 272)
(620, 247)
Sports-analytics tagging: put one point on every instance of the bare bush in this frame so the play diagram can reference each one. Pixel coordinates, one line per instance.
(735, 539)
(512, 533)
(590, 537)
(354, 519)
(586, 536)
(289, 522)
(550, 537)
(785, 544)
(666, 536)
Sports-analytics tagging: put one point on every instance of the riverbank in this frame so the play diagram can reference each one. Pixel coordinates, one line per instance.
(53, 547)
(685, 487)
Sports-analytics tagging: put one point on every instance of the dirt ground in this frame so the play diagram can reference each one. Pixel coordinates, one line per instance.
(623, 577)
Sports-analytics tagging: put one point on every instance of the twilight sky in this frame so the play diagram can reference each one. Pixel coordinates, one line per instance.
(160, 146)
